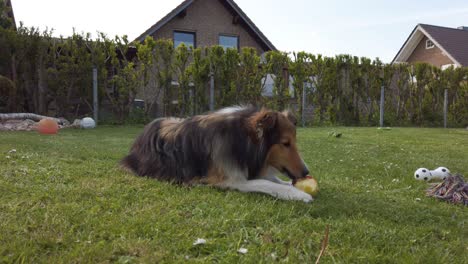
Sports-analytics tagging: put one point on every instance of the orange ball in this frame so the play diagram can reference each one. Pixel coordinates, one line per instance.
(47, 126)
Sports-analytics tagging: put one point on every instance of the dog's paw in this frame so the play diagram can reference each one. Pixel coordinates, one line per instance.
(302, 196)
(308, 199)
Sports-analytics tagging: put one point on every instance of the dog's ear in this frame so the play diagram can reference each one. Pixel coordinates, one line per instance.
(290, 116)
(262, 123)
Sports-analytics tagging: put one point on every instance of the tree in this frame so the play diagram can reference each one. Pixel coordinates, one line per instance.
(200, 72)
(6, 22)
(250, 78)
(325, 81)
(229, 88)
(147, 64)
(420, 74)
(456, 81)
(215, 57)
(276, 63)
(183, 54)
(301, 71)
(164, 54)
(125, 80)
(6, 88)
(69, 73)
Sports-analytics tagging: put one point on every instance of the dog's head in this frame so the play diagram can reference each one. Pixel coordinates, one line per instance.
(277, 130)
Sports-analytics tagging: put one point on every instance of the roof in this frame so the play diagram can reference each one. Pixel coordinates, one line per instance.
(452, 41)
(187, 3)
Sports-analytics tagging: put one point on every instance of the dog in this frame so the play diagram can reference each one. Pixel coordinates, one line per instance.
(239, 148)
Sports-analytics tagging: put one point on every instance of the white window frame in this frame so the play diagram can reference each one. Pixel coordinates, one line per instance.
(429, 44)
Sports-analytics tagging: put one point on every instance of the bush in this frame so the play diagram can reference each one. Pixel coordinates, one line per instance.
(7, 93)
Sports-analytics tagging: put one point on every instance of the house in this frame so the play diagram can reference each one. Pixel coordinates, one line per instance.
(202, 23)
(205, 23)
(440, 46)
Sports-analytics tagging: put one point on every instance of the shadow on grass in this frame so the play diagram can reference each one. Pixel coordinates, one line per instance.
(378, 207)
(334, 204)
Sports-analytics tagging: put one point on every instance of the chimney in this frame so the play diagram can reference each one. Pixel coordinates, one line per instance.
(463, 28)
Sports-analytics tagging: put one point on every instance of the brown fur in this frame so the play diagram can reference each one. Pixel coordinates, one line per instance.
(285, 155)
(211, 148)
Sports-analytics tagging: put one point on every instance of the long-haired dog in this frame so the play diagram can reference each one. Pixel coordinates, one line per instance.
(240, 148)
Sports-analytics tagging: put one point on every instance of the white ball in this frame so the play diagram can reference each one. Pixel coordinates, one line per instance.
(422, 174)
(88, 123)
(440, 173)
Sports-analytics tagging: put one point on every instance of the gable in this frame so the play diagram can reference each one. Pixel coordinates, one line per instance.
(453, 40)
(208, 19)
(450, 42)
(434, 56)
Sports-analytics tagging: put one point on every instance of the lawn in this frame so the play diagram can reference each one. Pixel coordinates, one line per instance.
(64, 199)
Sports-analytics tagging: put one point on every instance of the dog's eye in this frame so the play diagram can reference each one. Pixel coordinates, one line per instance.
(287, 144)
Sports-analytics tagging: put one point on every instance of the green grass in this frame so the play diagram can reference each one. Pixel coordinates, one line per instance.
(64, 199)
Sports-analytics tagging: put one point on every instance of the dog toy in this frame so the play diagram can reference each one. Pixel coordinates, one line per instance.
(47, 126)
(88, 123)
(424, 174)
(308, 184)
(440, 173)
(453, 189)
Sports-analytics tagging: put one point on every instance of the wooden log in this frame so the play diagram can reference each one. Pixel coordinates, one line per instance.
(37, 118)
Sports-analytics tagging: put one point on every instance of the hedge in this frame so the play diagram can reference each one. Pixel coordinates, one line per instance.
(54, 75)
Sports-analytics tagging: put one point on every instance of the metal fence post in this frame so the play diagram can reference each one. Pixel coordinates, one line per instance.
(192, 102)
(212, 100)
(445, 107)
(95, 95)
(382, 104)
(303, 103)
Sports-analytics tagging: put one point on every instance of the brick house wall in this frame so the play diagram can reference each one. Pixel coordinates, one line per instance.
(208, 19)
(434, 56)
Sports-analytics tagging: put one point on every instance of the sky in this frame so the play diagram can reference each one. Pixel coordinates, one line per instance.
(370, 28)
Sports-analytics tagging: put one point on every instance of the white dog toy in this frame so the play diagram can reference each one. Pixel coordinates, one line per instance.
(440, 173)
(424, 174)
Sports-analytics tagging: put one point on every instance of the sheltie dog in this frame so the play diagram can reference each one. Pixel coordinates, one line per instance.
(240, 148)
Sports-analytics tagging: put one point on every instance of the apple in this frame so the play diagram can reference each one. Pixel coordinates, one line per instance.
(308, 184)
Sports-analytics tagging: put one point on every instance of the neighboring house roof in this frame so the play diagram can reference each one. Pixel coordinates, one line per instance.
(187, 3)
(452, 41)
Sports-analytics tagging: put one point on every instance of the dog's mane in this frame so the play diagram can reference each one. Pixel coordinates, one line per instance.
(181, 150)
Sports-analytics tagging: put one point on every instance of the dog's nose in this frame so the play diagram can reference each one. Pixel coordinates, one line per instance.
(305, 172)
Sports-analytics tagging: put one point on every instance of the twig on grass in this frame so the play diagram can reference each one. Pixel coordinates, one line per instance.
(324, 244)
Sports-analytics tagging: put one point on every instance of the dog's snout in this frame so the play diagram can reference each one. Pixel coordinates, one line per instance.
(305, 170)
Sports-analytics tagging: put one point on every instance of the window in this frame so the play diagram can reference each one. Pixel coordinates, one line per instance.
(429, 44)
(229, 42)
(188, 38)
